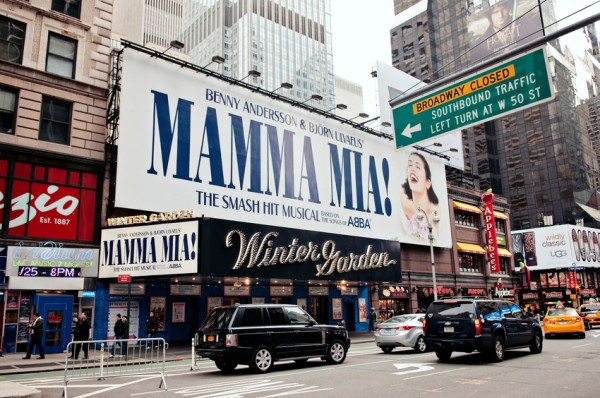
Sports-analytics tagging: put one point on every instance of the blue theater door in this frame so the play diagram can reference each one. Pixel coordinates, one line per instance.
(57, 311)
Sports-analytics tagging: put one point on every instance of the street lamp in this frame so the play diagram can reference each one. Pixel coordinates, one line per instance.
(435, 219)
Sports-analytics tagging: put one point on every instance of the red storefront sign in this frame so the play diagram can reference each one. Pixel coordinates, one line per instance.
(49, 202)
(572, 279)
(490, 231)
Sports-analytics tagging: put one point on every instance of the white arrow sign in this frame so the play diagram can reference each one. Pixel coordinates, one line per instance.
(414, 368)
(408, 130)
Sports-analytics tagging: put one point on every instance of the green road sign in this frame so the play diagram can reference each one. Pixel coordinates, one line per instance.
(514, 85)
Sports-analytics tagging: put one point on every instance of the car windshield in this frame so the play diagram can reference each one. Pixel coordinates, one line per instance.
(562, 312)
(452, 310)
(400, 319)
(590, 308)
(218, 318)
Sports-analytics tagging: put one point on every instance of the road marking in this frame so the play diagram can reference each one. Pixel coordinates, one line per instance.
(582, 345)
(242, 388)
(416, 367)
(433, 374)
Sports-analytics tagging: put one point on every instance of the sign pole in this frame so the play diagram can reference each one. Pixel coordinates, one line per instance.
(128, 302)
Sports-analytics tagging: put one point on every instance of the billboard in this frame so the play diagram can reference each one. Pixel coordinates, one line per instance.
(195, 142)
(496, 27)
(559, 246)
(149, 250)
(424, 190)
(264, 252)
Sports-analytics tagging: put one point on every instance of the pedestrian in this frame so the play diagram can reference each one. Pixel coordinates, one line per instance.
(82, 333)
(151, 328)
(125, 336)
(36, 331)
(372, 320)
(118, 329)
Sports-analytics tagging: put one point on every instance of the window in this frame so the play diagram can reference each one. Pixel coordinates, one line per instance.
(56, 121)
(297, 316)
(277, 316)
(68, 7)
(466, 219)
(12, 38)
(60, 59)
(251, 317)
(8, 109)
(470, 262)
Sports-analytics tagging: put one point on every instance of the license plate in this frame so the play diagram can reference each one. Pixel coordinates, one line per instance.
(448, 329)
(563, 322)
(210, 338)
(387, 331)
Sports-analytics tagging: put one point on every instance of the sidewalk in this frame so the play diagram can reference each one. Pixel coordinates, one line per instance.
(13, 363)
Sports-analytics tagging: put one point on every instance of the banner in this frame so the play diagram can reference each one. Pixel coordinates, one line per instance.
(191, 141)
(490, 232)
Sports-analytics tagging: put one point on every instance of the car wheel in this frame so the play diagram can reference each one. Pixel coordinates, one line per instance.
(336, 352)
(261, 360)
(443, 355)
(537, 343)
(421, 345)
(582, 335)
(225, 366)
(497, 352)
(387, 350)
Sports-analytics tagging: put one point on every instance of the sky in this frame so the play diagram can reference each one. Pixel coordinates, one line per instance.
(361, 37)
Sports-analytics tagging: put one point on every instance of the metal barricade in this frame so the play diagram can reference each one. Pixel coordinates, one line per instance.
(98, 359)
(195, 358)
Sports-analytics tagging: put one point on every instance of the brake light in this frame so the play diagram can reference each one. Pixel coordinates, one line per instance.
(477, 324)
(231, 340)
(424, 325)
(405, 327)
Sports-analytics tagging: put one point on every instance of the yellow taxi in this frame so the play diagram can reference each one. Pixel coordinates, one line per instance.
(563, 320)
(590, 313)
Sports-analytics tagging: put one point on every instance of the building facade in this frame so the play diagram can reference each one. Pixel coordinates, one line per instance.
(541, 159)
(54, 64)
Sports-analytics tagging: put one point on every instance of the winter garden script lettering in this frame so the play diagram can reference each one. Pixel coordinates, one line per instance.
(348, 188)
(261, 252)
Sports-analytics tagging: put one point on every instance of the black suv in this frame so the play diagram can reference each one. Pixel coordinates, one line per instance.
(487, 326)
(257, 335)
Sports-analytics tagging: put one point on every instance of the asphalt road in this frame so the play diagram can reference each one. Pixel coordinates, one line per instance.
(566, 367)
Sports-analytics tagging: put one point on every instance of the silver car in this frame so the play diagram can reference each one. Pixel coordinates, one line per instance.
(401, 331)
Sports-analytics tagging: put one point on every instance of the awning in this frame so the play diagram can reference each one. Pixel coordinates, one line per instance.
(466, 207)
(594, 213)
(469, 248)
(500, 215)
(502, 252)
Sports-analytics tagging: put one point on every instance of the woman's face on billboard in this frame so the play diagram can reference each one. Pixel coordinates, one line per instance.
(417, 177)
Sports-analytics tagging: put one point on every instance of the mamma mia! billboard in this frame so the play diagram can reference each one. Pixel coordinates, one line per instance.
(190, 141)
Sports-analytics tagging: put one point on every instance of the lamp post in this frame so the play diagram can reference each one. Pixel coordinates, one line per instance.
(435, 219)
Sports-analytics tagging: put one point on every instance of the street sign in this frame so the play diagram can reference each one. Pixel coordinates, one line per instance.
(514, 85)
(124, 279)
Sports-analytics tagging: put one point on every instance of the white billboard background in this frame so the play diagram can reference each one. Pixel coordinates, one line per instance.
(182, 173)
(416, 231)
(559, 246)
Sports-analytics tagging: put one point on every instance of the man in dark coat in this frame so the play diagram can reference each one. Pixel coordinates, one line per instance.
(119, 330)
(82, 333)
(36, 331)
(151, 328)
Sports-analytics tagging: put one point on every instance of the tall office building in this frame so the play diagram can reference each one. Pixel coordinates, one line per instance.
(287, 41)
(543, 159)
